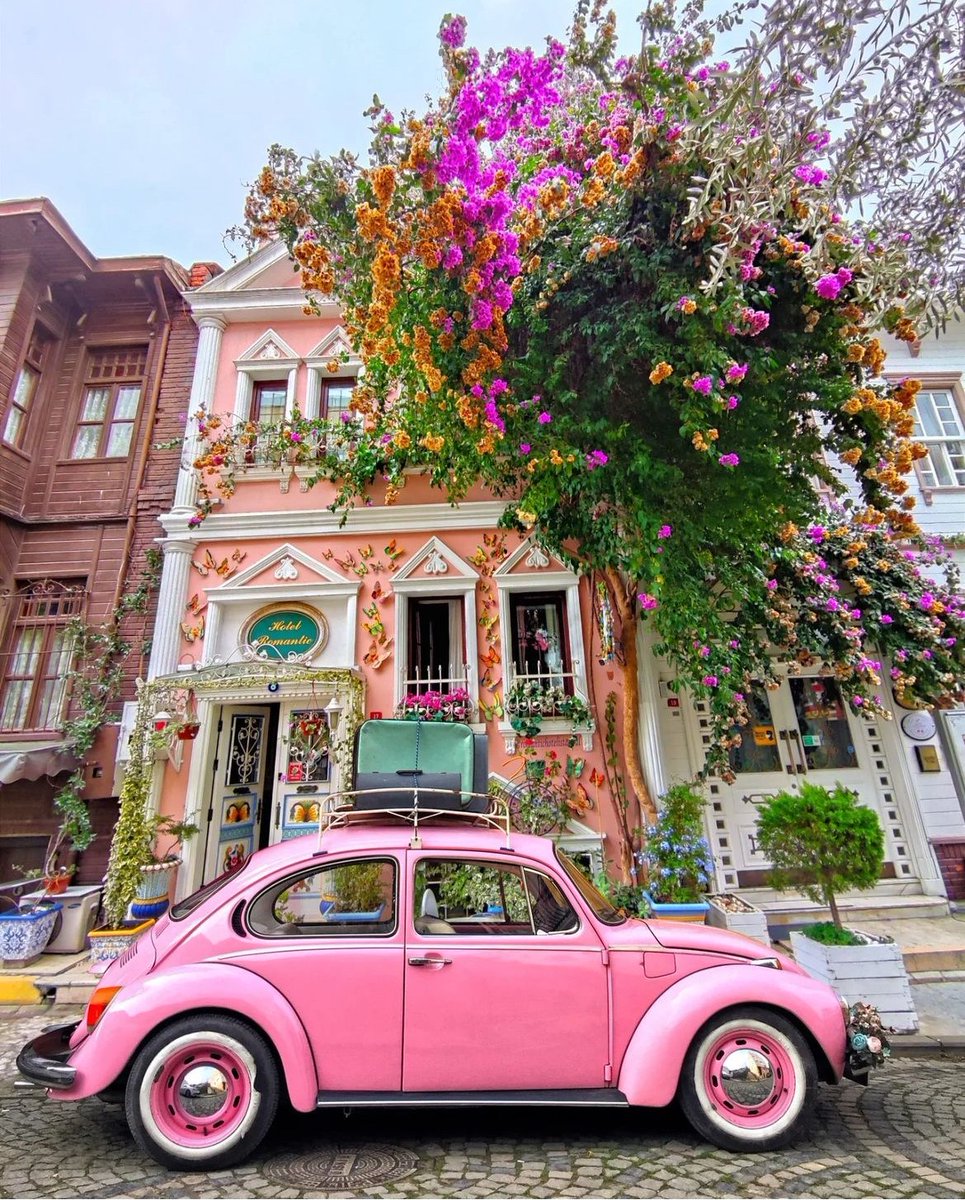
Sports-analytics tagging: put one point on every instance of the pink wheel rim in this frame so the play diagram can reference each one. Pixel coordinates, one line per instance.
(750, 1079)
(200, 1094)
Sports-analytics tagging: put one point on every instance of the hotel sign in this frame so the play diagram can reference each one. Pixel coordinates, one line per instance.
(286, 634)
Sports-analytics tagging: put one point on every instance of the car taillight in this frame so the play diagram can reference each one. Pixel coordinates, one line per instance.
(98, 1003)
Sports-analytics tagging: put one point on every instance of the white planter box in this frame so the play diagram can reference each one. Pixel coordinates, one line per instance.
(874, 973)
(741, 917)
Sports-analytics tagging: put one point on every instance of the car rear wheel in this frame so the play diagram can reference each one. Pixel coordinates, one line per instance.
(749, 1081)
(202, 1093)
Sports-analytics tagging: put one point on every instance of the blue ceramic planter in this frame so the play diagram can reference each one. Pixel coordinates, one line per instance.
(679, 912)
(23, 935)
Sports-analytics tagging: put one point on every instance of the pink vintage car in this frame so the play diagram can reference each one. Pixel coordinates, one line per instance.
(418, 952)
(459, 966)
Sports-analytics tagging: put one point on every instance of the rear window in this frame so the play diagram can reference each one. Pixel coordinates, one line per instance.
(196, 899)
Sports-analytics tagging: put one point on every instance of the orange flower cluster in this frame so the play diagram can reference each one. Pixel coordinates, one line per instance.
(433, 442)
(423, 359)
(600, 247)
(316, 271)
(662, 371)
(383, 184)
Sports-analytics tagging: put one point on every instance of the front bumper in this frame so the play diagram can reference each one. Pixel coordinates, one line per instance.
(44, 1059)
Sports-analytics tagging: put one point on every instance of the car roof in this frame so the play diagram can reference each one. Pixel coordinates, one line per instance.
(375, 836)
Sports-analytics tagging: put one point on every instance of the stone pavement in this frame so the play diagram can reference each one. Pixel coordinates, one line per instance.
(900, 1137)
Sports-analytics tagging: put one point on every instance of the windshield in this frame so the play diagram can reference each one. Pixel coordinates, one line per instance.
(190, 903)
(603, 910)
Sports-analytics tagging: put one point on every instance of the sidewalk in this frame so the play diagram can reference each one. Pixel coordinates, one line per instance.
(933, 949)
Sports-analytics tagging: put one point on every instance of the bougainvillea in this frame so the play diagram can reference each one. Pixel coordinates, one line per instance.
(623, 293)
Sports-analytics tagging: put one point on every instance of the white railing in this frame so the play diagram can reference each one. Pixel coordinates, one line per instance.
(436, 696)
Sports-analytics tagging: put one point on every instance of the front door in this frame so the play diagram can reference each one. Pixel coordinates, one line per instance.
(802, 730)
(505, 988)
(242, 787)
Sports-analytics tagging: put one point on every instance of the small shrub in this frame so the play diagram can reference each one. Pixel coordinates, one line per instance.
(828, 934)
(821, 843)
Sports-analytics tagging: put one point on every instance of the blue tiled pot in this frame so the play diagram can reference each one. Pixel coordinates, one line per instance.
(23, 935)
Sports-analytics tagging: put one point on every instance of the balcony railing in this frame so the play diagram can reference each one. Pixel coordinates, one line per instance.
(437, 697)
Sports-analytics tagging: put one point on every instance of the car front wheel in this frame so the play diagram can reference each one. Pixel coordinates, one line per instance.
(749, 1081)
(202, 1093)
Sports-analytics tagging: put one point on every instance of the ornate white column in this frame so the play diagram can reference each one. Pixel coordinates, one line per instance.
(202, 395)
(166, 649)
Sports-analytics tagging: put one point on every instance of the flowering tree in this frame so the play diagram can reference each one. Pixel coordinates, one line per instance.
(624, 294)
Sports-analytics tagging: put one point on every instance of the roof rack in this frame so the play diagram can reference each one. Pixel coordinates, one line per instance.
(339, 810)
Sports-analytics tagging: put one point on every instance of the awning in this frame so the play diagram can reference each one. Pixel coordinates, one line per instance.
(31, 760)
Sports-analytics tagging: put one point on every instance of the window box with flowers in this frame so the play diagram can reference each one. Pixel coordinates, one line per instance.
(454, 705)
(531, 702)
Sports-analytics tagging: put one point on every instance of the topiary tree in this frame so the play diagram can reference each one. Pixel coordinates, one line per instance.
(821, 842)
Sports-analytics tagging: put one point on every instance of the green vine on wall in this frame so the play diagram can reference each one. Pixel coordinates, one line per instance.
(100, 653)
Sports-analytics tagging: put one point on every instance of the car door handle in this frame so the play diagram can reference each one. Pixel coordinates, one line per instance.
(434, 961)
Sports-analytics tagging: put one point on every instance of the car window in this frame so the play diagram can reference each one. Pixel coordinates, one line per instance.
(487, 898)
(601, 906)
(196, 899)
(356, 898)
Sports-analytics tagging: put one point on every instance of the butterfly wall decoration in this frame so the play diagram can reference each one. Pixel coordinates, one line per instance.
(377, 654)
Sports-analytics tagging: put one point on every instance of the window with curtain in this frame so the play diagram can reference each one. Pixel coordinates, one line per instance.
(540, 648)
(109, 408)
(37, 661)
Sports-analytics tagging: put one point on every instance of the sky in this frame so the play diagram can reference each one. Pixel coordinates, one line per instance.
(144, 120)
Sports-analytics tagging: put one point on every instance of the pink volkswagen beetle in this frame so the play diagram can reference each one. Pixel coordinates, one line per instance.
(397, 960)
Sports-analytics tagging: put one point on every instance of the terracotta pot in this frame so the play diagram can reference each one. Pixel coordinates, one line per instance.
(55, 884)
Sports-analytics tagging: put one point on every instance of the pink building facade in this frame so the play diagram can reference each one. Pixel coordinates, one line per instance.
(280, 627)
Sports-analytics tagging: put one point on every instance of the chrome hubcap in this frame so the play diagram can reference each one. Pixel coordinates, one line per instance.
(202, 1092)
(747, 1077)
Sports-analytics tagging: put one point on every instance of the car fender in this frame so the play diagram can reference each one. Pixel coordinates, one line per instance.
(137, 1010)
(650, 1071)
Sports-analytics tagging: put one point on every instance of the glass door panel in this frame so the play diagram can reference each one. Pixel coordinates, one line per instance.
(822, 729)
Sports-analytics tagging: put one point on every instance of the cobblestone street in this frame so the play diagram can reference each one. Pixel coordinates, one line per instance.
(899, 1137)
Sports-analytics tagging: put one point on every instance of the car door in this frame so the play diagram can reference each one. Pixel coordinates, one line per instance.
(329, 939)
(505, 983)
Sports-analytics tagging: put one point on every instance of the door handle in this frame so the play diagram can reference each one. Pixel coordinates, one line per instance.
(430, 961)
(796, 739)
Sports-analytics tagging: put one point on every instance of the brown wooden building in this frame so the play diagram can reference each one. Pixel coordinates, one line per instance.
(96, 363)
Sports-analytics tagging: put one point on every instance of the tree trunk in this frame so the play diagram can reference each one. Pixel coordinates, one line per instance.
(832, 904)
(646, 809)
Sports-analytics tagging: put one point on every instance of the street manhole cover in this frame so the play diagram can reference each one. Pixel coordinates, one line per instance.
(339, 1167)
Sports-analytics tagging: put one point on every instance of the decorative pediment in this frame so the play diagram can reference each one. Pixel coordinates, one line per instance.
(268, 349)
(529, 558)
(285, 566)
(268, 267)
(435, 561)
(334, 345)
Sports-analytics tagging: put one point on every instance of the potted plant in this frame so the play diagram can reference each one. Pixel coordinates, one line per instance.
(158, 866)
(132, 848)
(677, 857)
(729, 911)
(531, 701)
(822, 842)
(25, 932)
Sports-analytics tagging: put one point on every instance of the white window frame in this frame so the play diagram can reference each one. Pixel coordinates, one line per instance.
(925, 467)
(535, 581)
